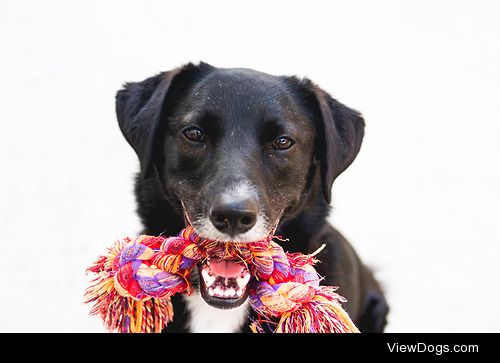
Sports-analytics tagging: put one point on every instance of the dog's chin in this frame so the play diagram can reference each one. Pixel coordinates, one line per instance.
(224, 284)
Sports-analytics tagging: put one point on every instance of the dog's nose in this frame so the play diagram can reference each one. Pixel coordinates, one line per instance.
(234, 216)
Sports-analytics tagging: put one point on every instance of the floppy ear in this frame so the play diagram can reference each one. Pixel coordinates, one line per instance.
(340, 132)
(143, 107)
(344, 129)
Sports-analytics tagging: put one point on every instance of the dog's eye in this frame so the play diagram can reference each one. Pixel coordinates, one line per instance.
(283, 143)
(194, 134)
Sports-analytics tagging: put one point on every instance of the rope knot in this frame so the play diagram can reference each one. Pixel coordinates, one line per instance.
(137, 277)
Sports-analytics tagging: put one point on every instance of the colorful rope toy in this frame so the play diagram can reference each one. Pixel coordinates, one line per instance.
(137, 277)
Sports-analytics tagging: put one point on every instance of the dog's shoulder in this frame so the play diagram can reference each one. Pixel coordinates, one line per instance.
(338, 256)
(341, 266)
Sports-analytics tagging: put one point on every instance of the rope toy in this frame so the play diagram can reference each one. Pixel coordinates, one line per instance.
(136, 278)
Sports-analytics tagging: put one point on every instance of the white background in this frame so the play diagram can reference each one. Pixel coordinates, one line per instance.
(420, 203)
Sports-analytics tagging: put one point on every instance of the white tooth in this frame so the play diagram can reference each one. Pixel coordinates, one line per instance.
(205, 274)
(211, 291)
(218, 291)
(230, 292)
(239, 292)
(243, 281)
(209, 280)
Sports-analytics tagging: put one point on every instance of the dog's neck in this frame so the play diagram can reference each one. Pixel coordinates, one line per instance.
(301, 227)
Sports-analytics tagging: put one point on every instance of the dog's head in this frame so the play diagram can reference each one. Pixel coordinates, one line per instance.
(238, 150)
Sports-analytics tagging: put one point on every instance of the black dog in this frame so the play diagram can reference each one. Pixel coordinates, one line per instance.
(239, 154)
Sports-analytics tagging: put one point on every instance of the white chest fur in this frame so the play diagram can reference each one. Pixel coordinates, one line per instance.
(207, 319)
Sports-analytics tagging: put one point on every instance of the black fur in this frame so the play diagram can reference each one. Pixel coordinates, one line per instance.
(255, 107)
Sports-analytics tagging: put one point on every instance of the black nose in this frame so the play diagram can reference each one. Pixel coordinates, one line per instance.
(234, 216)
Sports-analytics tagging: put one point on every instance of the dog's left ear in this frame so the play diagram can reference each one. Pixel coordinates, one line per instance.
(340, 131)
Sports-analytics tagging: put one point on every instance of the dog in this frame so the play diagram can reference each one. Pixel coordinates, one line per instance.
(239, 155)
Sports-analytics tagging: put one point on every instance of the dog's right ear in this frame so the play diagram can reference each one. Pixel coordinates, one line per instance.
(340, 130)
(142, 109)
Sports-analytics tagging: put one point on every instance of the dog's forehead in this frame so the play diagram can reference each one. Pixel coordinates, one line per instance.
(241, 87)
(243, 79)
(241, 92)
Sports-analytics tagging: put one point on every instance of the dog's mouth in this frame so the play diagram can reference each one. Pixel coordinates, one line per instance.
(224, 284)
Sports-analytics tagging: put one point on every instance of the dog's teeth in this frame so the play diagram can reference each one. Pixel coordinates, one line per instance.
(224, 287)
(205, 274)
(209, 279)
(243, 281)
(218, 291)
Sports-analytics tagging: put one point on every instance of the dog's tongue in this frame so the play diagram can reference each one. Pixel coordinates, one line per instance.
(226, 269)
